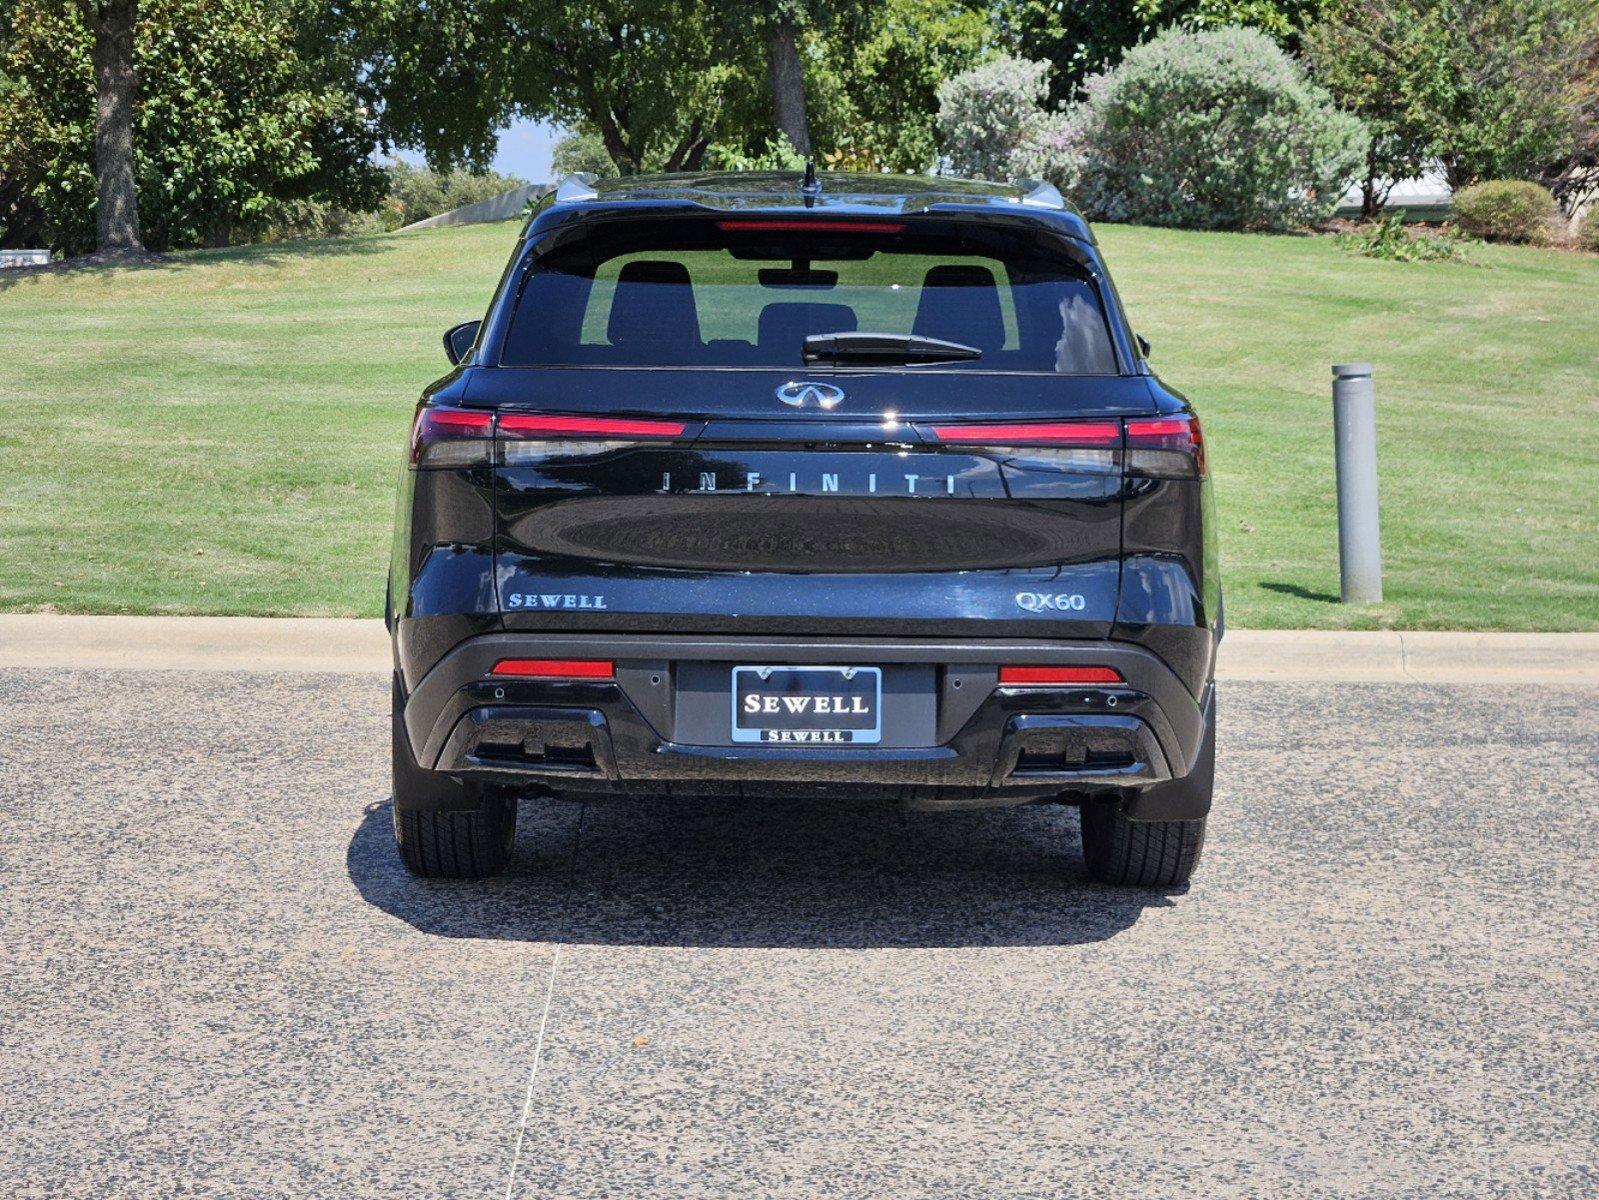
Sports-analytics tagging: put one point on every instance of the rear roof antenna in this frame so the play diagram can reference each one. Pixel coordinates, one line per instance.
(810, 185)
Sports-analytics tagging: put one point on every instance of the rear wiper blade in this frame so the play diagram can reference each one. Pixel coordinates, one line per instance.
(886, 348)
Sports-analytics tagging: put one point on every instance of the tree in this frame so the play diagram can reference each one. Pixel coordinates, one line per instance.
(582, 150)
(652, 78)
(1490, 88)
(888, 60)
(234, 122)
(871, 79)
(1573, 178)
(117, 211)
(787, 76)
(660, 82)
(1354, 52)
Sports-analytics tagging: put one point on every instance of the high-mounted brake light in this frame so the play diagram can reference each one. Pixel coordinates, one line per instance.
(1101, 434)
(555, 668)
(542, 425)
(819, 225)
(450, 437)
(1168, 447)
(1058, 676)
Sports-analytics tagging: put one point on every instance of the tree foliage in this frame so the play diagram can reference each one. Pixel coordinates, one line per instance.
(581, 150)
(232, 122)
(651, 77)
(1353, 58)
(1490, 88)
(1079, 37)
(660, 82)
(889, 61)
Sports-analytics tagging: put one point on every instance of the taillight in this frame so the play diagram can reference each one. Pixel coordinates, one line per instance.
(1024, 676)
(1073, 446)
(1166, 447)
(530, 437)
(821, 225)
(555, 668)
(451, 437)
(1033, 433)
(442, 436)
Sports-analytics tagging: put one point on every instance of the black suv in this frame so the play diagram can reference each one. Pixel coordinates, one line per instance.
(760, 483)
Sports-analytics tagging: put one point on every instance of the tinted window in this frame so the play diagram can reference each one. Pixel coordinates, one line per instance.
(691, 293)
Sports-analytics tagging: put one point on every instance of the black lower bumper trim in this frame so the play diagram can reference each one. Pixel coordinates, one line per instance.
(617, 734)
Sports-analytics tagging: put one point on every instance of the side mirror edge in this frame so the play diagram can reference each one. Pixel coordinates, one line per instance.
(459, 340)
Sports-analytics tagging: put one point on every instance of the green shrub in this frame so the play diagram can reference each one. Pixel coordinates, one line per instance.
(1390, 239)
(990, 115)
(777, 155)
(1588, 230)
(416, 193)
(1212, 129)
(1507, 210)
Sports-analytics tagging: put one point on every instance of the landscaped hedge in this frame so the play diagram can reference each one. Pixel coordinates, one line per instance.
(1210, 129)
(1214, 129)
(1588, 230)
(1507, 210)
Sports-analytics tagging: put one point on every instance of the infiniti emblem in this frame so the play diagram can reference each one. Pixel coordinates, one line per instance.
(805, 393)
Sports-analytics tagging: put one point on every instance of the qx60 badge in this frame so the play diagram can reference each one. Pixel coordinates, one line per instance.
(806, 394)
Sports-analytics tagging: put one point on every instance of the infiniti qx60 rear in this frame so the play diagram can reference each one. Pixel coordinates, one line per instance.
(860, 490)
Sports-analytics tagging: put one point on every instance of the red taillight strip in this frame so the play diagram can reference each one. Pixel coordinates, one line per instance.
(535, 425)
(1179, 434)
(456, 422)
(820, 225)
(555, 668)
(1160, 427)
(1056, 433)
(437, 423)
(1059, 676)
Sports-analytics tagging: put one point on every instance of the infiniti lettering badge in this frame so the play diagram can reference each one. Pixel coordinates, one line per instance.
(805, 394)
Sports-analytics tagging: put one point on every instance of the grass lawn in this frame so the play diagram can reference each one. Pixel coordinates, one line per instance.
(221, 434)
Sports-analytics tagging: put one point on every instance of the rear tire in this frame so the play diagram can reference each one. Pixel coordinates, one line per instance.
(458, 844)
(446, 828)
(1139, 853)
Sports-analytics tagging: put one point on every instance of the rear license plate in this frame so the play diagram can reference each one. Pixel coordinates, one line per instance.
(808, 706)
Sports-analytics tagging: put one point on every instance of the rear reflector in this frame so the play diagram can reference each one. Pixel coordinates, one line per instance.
(543, 425)
(821, 225)
(1059, 676)
(1032, 433)
(555, 668)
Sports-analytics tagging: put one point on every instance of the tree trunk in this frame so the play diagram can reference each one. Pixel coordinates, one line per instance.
(787, 75)
(117, 219)
(627, 162)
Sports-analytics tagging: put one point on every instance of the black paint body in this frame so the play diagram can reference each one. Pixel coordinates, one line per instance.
(769, 534)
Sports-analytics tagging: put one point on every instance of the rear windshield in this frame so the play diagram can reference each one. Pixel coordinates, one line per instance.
(728, 293)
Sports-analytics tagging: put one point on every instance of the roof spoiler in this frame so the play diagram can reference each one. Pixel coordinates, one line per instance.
(577, 187)
(1039, 194)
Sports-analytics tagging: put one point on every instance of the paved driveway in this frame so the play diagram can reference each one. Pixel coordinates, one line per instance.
(217, 981)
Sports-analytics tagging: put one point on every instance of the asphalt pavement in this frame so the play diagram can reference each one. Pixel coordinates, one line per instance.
(216, 980)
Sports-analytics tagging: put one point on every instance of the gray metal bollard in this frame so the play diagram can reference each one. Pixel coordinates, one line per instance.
(1355, 433)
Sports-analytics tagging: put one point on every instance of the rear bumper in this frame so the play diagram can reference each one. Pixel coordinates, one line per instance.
(979, 744)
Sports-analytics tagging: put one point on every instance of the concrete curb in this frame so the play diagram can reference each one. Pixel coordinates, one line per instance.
(342, 645)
